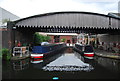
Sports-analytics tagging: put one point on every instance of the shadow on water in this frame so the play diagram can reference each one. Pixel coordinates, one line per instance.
(111, 64)
(103, 68)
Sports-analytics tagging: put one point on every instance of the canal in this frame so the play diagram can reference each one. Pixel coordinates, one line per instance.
(64, 64)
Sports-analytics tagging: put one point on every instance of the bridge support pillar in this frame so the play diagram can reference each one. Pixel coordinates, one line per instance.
(11, 36)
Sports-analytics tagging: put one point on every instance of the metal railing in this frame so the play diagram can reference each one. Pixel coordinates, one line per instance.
(20, 51)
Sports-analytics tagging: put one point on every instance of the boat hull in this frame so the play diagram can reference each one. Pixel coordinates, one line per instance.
(36, 55)
(89, 54)
(82, 51)
(44, 51)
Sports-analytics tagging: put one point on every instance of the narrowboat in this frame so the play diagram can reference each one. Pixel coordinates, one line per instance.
(45, 50)
(85, 50)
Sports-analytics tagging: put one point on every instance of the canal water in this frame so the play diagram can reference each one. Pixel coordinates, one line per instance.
(64, 64)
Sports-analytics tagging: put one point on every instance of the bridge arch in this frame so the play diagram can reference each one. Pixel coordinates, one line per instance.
(64, 22)
(68, 21)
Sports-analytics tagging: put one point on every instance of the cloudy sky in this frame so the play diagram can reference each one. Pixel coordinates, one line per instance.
(25, 8)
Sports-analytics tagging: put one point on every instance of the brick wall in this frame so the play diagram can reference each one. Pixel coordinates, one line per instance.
(67, 37)
(52, 38)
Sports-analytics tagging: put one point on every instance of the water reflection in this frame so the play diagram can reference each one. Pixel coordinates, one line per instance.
(40, 63)
(20, 64)
(111, 64)
(74, 67)
(69, 50)
(67, 60)
(35, 61)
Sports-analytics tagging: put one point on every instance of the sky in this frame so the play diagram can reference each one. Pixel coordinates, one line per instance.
(26, 8)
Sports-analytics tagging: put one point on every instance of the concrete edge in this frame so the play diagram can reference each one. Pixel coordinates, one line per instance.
(19, 58)
(108, 56)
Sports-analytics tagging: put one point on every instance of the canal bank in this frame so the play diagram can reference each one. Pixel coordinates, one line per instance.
(20, 58)
(107, 54)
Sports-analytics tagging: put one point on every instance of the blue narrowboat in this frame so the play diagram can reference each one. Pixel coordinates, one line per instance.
(41, 51)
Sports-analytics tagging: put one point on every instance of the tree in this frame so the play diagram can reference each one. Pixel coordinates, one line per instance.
(38, 38)
(47, 38)
(63, 40)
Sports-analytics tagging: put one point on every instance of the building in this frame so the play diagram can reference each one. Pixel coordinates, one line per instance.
(110, 42)
(119, 7)
(116, 15)
(68, 38)
(5, 16)
(63, 37)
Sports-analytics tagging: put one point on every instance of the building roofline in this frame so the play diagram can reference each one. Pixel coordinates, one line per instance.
(9, 12)
(114, 15)
(63, 12)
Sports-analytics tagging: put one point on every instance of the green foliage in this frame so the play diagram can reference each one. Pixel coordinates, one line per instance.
(40, 38)
(36, 38)
(24, 44)
(63, 40)
(0, 53)
(5, 53)
(47, 38)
